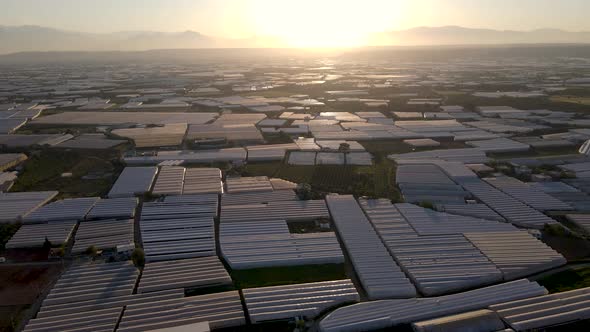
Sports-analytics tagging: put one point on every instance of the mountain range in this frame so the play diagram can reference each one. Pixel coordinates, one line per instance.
(42, 39)
(454, 35)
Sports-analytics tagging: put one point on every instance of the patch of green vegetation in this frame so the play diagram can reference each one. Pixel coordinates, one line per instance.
(427, 205)
(274, 93)
(278, 138)
(470, 102)
(138, 257)
(449, 92)
(567, 280)
(6, 232)
(385, 180)
(383, 148)
(534, 153)
(557, 151)
(262, 168)
(559, 231)
(287, 275)
(545, 168)
(574, 92)
(297, 174)
(580, 100)
(46, 129)
(93, 173)
(304, 191)
(377, 180)
(372, 181)
(344, 180)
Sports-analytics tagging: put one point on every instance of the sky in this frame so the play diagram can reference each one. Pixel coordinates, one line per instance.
(337, 22)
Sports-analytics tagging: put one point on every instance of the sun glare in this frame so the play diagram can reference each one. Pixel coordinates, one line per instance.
(322, 24)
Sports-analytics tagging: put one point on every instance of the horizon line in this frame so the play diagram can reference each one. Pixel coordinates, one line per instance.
(262, 35)
(449, 46)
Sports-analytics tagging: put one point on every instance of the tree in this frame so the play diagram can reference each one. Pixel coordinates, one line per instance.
(138, 257)
(426, 205)
(149, 196)
(47, 244)
(235, 170)
(344, 148)
(304, 191)
(559, 230)
(92, 251)
(300, 324)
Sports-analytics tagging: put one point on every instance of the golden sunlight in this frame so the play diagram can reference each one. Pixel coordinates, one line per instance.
(324, 24)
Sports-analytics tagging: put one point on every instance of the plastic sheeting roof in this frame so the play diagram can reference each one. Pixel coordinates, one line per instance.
(379, 274)
(388, 313)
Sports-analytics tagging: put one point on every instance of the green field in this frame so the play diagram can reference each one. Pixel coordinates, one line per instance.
(287, 275)
(386, 147)
(449, 92)
(382, 148)
(372, 181)
(93, 173)
(298, 174)
(377, 180)
(551, 103)
(535, 153)
(571, 99)
(47, 129)
(567, 280)
(274, 93)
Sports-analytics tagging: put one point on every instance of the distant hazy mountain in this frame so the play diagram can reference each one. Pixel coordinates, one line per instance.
(454, 35)
(35, 38)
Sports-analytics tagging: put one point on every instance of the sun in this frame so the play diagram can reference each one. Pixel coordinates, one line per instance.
(321, 23)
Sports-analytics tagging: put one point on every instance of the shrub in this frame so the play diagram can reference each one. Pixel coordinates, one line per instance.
(138, 257)
(91, 251)
(556, 230)
(47, 244)
(427, 205)
(304, 191)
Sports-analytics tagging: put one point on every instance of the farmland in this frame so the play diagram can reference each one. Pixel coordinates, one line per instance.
(567, 280)
(92, 173)
(288, 171)
(373, 181)
(20, 287)
(571, 99)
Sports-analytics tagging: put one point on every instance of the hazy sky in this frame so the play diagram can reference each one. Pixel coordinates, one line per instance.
(293, 19)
